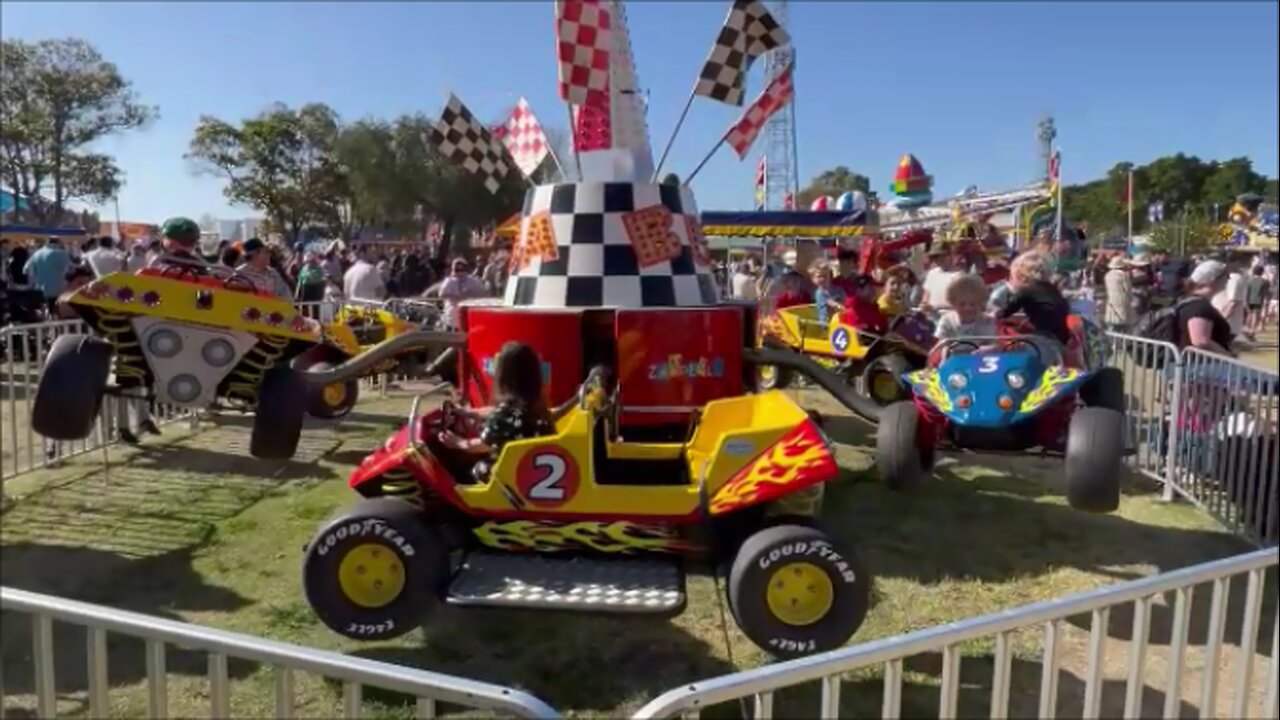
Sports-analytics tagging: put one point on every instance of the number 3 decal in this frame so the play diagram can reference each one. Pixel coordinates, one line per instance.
(547, 477)
(989, 365)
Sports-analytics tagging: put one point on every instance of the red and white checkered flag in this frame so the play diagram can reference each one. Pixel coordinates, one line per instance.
(743, 133)
(523, 137)
(582, 47)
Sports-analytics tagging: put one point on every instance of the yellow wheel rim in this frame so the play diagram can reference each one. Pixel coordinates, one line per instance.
(335, 394)
(800, 594)
(371, 575)
(884, 386)
(767, 374)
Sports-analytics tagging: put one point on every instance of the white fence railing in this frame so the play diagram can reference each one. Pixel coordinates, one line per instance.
(1241, 690)
(355, 674)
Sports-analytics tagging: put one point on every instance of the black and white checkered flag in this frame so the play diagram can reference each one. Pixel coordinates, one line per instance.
(749, 32)
(462, 139)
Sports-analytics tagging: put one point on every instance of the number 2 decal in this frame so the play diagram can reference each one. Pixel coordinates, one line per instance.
(989, 365)
(547, 477)
(549, 488)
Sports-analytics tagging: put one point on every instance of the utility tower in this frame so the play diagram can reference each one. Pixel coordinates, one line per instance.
(781, 174)
(1046, 133)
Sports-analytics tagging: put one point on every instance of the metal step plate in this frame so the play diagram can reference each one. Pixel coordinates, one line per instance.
(622, 585)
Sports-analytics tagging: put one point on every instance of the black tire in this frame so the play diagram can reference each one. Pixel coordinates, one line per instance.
(277, 420)
(414, 553)
(772, 377)
(900, 461)
(876, 371)
(783, 548)
(323, 401)
(1105, 390)
(1095, 457)
(71, 387)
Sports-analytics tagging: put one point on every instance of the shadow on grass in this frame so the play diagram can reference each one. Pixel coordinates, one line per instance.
(582, 661)
(862, 696)
(161, 585)
(185, 458)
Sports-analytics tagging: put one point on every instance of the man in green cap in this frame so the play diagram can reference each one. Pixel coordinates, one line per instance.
(179, 238)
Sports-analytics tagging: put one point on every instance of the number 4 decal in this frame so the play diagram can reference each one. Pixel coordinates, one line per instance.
(547, 477)
(989, 365)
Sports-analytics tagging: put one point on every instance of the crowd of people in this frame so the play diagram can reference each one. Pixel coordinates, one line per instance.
(1222, 300)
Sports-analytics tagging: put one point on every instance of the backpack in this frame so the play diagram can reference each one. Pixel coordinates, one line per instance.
(1158, 326)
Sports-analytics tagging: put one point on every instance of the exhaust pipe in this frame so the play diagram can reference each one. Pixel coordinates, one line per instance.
(861, 406)
(362, 364)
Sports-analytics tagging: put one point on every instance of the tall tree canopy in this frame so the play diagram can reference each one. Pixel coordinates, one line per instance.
(57, 97)
(834, 182)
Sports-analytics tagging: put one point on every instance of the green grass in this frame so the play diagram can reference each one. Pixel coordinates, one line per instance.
(198, 531)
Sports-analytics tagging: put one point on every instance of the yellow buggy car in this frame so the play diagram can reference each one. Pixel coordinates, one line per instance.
(584, 520)
(874, 364)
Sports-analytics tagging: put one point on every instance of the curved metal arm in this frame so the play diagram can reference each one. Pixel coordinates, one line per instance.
(366, 361)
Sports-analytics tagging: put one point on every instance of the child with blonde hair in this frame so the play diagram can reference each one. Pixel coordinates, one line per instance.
(1035, 295)
(967, 296)
(826, 295)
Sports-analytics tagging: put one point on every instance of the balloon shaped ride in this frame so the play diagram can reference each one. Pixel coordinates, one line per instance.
(1014, 393)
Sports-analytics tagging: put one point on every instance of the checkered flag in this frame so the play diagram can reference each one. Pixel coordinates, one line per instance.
(523, 137)
(749, 32)
(462, 139)
(582, 48)
(743, 133)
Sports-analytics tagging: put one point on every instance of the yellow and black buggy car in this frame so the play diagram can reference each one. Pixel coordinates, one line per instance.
(585, 520)
(184, 336)
(355, 328)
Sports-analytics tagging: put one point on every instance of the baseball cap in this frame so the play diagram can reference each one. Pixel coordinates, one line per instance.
(181, 229)
(1207, 272)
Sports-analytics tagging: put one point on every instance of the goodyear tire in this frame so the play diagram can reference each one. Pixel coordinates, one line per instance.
(1095, 456)
(374, 571)
(329, 402)
(277, 420)
(794, 592)
(902, 464)
(882, 379)
(1105, 390)
(72, 384)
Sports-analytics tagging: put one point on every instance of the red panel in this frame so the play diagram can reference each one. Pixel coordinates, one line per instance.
(555, 335)
(677, 359)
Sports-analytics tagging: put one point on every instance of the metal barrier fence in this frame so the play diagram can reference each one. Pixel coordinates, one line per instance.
(1226, 417)
(355, 674)
(1149, 368)
(760, 685)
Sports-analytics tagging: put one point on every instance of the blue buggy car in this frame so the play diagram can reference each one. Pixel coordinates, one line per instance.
(1010, 394)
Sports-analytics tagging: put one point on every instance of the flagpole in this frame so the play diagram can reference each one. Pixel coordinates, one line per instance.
(1057, 152)
(577, 159)
(675, 131)
(1129, 202)
(706, 159)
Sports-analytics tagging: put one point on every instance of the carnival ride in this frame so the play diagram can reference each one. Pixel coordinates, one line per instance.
(1251, 226)
(1014, 393)
(663, 450)
(182, 336)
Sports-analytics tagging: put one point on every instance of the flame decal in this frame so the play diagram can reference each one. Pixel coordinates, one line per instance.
(799, 459)
(608, 537)
(929, 384)
(1053, 378)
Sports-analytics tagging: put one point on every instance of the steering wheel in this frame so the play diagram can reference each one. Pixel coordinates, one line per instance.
(596, 381)
(453, 418)
(1016, 343)
(175, 271)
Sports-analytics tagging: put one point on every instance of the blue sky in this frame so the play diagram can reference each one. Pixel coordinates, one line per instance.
(961, 85)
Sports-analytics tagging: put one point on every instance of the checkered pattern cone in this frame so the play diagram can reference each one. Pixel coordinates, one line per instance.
(614, 245)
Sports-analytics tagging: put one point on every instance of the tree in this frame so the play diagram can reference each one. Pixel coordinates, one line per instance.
(282, 162)
(1190, 234)
(57, 98)
(833, 182)
(1231, 178)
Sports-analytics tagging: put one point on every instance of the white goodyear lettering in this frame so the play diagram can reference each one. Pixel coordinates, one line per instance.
(793, 646)
(364, 528)
(367, 629)
(803, 548)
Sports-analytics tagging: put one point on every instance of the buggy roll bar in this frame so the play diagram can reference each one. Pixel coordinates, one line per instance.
(364, 362)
